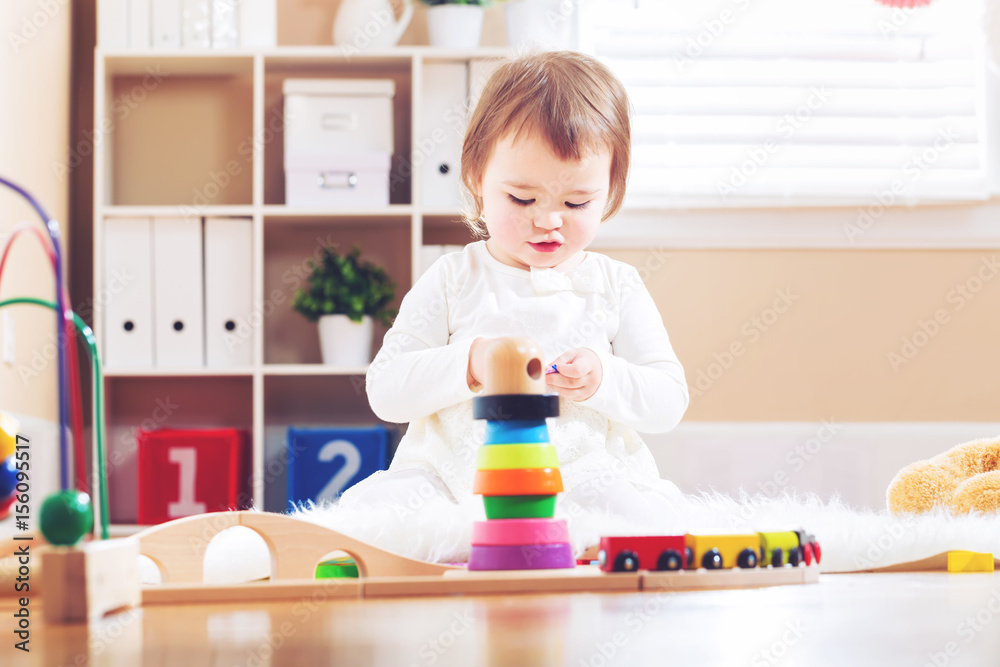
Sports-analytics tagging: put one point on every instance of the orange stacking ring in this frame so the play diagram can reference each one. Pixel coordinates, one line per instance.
(518, 482)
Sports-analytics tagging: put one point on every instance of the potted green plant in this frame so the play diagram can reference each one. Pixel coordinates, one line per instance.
(345, 295)
(455, 24)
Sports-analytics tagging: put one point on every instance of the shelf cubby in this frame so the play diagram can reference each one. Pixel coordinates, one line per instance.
(291, 251)
(148, 402)
(277, 69)
(179, 132)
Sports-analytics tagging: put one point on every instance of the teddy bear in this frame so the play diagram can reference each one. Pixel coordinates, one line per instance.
(963, 479)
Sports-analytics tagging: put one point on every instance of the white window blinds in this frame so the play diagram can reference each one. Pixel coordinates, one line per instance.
(862, 103)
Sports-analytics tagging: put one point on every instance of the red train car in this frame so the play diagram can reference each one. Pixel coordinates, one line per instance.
(646, 552)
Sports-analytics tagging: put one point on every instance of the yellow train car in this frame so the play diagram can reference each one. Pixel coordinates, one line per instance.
(717, 552)
(778, 548)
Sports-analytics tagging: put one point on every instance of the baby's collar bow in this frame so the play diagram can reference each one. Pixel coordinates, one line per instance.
(583, 279)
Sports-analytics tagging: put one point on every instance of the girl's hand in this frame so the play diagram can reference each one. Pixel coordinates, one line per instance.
(579, 374)
(477, 364)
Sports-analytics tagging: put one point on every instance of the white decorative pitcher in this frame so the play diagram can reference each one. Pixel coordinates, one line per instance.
(343, 342)
(548, 24)
(365, 24)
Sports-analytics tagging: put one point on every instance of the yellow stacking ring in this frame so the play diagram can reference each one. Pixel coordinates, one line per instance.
(501, 457)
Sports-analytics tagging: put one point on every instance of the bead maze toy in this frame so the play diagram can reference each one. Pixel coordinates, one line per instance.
(519, 548)
(66, 516)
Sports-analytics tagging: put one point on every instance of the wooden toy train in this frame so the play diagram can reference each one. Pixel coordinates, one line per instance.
(711, 552)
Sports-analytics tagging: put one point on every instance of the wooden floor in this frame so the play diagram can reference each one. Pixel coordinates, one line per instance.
(864, 619)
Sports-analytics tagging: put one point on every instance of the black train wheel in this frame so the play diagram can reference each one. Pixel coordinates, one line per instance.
(669, 560)
(626, 561)
(795, 556)
(747, 559)
(778, 557)
(689, 558)
(712, 560)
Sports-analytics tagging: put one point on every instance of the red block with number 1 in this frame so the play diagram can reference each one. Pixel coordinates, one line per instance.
(192, 471)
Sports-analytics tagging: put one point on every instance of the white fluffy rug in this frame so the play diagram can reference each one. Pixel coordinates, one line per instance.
(851, 539)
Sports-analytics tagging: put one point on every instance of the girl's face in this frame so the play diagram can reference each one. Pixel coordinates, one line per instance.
(541, 211)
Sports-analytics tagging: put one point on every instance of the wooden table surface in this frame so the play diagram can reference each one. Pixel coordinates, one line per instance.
(865, 619)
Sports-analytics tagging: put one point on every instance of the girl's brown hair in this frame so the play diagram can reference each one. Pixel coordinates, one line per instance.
(572, 99)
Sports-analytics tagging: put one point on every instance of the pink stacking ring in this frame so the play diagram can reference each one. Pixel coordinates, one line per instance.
(520, 531)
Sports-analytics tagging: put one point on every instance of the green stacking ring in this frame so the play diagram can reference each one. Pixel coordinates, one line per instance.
(520, 507)
(497, 457)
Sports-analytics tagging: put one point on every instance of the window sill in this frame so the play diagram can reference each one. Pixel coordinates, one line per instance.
(850, 227)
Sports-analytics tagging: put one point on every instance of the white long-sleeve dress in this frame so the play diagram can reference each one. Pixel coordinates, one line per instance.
(419, 377)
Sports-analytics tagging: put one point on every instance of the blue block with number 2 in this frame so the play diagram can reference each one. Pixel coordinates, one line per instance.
(323, 462)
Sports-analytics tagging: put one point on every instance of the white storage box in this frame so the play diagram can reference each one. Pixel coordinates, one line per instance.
(338, 142)
(355, 180)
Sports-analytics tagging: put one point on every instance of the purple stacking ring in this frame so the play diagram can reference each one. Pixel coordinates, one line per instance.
(521, 557)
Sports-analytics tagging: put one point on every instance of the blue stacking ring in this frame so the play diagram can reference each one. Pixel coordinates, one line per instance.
(520, 432)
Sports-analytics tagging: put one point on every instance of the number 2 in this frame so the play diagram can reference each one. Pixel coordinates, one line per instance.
(352, 463)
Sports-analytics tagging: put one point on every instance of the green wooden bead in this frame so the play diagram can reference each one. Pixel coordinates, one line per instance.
(66, 517)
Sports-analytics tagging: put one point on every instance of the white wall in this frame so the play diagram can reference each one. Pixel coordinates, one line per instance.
(34, 130)
(853, 460)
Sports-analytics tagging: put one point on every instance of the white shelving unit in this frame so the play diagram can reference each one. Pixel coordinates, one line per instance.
(164, 119)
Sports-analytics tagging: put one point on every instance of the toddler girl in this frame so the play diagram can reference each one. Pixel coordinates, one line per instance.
(545, 160)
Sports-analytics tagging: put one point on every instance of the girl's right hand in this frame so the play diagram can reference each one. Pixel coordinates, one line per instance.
(476, 372)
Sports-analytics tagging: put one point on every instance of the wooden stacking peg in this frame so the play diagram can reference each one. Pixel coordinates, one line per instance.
(514, 366)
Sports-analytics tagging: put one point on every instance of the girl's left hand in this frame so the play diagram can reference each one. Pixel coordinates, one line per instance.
(579, 374)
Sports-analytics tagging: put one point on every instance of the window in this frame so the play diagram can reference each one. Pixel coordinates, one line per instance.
(816, 102)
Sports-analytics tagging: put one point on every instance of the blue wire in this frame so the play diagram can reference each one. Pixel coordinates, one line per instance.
(53, 229)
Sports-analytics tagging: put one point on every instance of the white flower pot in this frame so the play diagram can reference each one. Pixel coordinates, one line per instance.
(455, 26)
(345, 343)
(547, 24)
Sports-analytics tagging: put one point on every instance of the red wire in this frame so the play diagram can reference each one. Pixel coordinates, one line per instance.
(76, 404)
(69, 332)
